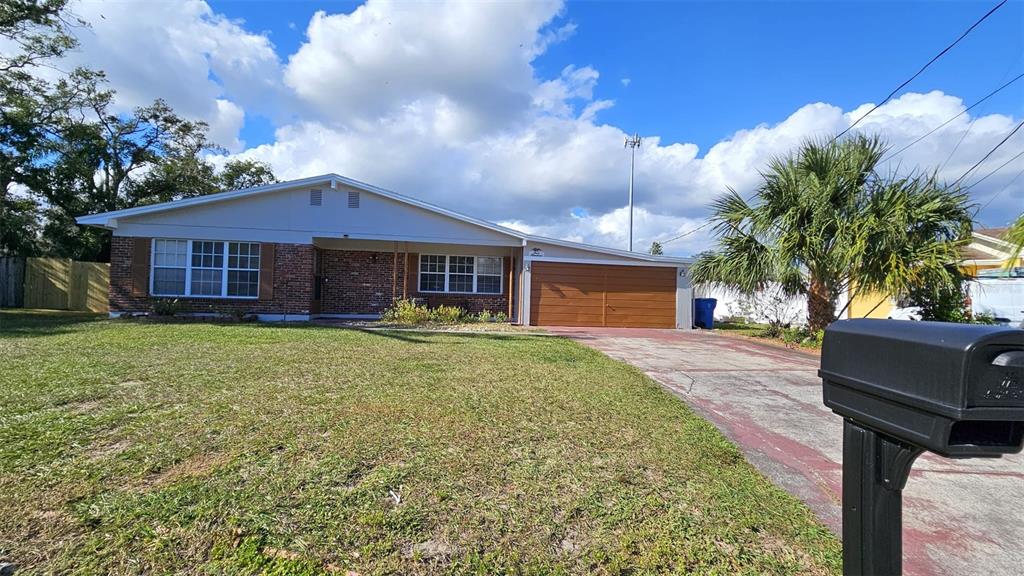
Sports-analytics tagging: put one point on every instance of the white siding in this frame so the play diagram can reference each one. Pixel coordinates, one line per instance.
(287, 217)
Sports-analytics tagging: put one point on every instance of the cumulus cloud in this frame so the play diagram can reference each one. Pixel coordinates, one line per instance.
(442, 101)
(471, 59)
(204, 65)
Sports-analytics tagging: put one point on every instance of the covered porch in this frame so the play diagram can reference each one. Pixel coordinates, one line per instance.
(360, 278)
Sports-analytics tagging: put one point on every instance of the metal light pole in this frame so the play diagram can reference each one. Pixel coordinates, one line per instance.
(631, 143)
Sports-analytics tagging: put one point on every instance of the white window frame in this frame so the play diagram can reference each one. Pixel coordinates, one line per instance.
(447, 274)
(188, 271)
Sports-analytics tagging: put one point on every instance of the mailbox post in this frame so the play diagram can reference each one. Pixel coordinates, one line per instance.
(905, 387)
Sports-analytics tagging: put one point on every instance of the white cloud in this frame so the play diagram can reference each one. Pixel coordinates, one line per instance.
(442, 101)
(472, 59)
(204, 65)
(626, 81)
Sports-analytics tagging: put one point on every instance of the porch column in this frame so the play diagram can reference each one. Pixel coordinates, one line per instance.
(524, 293)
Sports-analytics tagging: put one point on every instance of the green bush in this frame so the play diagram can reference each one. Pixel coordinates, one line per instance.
(406, 311)
(167, 307)
(447, 314)
(501, 317)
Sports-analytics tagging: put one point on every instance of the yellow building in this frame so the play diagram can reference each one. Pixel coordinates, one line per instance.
(988, 250)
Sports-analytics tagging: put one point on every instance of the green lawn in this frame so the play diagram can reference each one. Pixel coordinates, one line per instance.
(130, 447)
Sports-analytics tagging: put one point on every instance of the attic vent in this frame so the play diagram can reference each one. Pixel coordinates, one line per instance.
(353, 199)
(316, 197)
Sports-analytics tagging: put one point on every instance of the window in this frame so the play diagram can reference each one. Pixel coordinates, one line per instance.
(243, 269)
(463, 274)
(205, 268)
(432, 273)
(170, 263)
(488, 275)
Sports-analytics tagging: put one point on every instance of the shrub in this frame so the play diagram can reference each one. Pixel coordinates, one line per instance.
(166, 307)
(485, 316)
(501, 317)
(406, 311)
(447, 314)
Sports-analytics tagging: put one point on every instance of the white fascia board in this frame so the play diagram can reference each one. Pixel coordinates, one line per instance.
(611, 251)
(606, 262)
(988, 250)
(992, 239)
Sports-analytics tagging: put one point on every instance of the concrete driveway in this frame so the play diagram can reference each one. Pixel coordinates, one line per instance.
(960, 517)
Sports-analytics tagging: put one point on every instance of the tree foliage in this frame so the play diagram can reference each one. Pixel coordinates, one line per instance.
(67, 150)
(824, 222)
(656, 249)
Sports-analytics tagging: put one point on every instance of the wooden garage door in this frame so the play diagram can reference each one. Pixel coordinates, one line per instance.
(599, 295)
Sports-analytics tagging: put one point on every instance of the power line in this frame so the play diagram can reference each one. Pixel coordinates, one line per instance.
(1001, 166)
(964, 111)
(685, 234)
(923, 68)
(1001, 190)
(990, 152)
(971, 125)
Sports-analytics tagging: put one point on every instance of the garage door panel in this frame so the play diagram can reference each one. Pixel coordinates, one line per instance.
(602, 295)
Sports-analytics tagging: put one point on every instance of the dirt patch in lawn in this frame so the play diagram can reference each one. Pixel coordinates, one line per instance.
(193, 467)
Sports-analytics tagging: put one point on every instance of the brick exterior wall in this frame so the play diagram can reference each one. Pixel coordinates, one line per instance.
(354, 282)
(293, 284)
(357, 282)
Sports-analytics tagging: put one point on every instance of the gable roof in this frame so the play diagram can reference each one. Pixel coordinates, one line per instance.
(109, 219)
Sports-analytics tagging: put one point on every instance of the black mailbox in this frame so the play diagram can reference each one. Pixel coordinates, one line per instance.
(954, 389)
(904, 387)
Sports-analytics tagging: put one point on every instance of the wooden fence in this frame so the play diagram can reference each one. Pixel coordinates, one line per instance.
(56, 283)
(12, 281)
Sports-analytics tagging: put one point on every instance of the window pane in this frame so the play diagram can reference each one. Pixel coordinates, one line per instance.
(460, 282)
(244, 255)
(170, 281)
(207, 254)
(487, 265)
(432, 264)
(460, 264)
(170, 253)
(432, 282)
(488, 284)
(243, 283)
(205, 282)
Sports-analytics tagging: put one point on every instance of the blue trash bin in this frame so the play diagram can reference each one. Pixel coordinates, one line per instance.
(704, 312)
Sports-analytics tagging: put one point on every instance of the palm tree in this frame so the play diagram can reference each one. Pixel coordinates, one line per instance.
(1015, 236)
(824, 222)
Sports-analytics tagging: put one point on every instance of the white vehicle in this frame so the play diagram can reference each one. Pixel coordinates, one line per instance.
(1002, 298)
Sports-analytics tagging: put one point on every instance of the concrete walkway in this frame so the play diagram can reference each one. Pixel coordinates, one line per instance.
(960, 517)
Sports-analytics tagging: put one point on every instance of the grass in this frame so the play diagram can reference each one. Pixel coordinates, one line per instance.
(793, 337)
(131, 447)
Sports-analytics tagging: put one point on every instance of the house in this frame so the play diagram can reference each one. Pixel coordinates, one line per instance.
(332, 247)
(987, 254)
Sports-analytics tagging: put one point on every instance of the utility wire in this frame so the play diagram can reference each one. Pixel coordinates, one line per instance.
(990, 152)
(971, 125)
(1001, 166)
(923, 68)
(685, 234)
(964, 111)
(889, 97)
(1001, 190)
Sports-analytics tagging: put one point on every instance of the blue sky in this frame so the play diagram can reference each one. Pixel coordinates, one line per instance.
(699, 71)
(516, 111)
